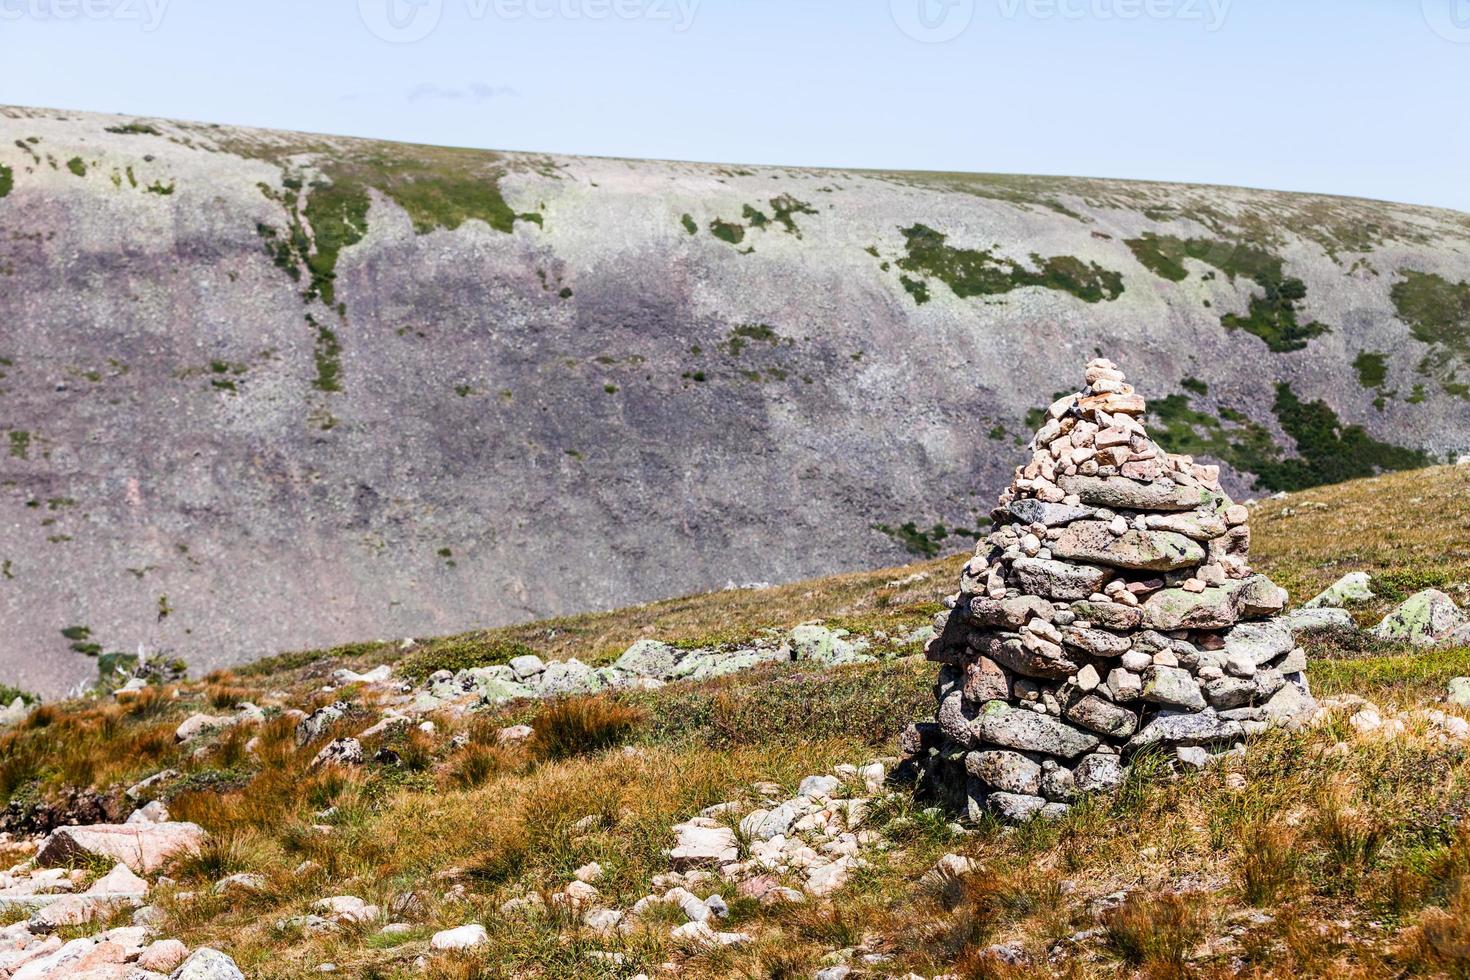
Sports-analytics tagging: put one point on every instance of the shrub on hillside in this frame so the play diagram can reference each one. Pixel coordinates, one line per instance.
(581, 726)
(1156, 933)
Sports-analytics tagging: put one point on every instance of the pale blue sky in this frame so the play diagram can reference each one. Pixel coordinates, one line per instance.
(1364, 97)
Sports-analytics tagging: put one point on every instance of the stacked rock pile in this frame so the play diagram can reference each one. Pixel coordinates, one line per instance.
(1113, 609)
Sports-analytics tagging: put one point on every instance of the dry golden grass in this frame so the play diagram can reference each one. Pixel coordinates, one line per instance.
(580, 726)
(1356, 858)
(1410, 531)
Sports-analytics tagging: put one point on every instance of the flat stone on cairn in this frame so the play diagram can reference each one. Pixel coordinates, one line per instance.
(1113, 609)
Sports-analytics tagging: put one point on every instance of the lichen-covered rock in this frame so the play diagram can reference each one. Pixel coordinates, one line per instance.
(647, 658)
(1172, 687)
(207, 964)
(1098, 774)
(1109, 615)
(815, 642)
(1121, 493)
(1016, 808)
(1008, 772)
(1186, 728)
(1259, 643)
(1037, 658)
(1178, 609)
(1059, 580)
(342, 752)
(1027, 731)
(1097, 643)
(1154, 551)
(1098, 714)
(569, 677)
(1424, 619)
(1258, 596)
(1031, 511)
(1353, 588)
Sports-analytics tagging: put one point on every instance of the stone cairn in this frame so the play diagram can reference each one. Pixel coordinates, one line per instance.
(1112, 610)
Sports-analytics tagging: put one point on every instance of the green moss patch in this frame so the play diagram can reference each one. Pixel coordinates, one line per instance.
(745, 334)
(1327, 450)
(1438, 314)
(441, 201)
(975, 272)
(786, 208)
(690, 225)
(8, 696)
(20, 443)
(338, 216)
(917, 288)
(328, 356)
(1273, 312)
(1372, 370)
(928, 542)
(1330, 451)
(7, 180)
(461, 653)
(727, 231)
(134, 129)
(77, 166)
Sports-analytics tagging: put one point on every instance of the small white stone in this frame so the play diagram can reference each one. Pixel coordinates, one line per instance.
(465, 937)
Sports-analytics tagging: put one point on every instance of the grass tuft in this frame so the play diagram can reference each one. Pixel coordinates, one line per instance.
(583, 726)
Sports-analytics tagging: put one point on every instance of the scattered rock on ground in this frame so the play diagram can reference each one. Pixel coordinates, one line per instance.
(144, 847)
(1426, 619)
(465, 937)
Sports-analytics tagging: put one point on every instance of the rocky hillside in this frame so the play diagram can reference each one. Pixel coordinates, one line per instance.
(267, 390)
(727, 806)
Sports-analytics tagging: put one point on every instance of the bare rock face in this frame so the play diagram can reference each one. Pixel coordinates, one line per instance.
(256, 396)
(1106, 614)
(240, 368)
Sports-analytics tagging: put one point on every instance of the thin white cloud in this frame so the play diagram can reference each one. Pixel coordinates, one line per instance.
(473, 92)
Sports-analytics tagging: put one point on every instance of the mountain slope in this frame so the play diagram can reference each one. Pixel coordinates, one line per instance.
(264, 390)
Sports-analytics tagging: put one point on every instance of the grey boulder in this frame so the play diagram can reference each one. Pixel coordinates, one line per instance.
(1157, 551)
(1186, 728)
(1352, 588)
(207, 964)
(1027, 731)
(1121, 493)
(1425, 619)
(1102, 716)
(1172, 687)
(1098, 774)
(1007, 772)
(1014, 807)
(1058, 580)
